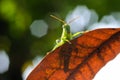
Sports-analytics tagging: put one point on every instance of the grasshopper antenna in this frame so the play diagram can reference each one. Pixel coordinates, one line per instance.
(58, 19)
(73, 19)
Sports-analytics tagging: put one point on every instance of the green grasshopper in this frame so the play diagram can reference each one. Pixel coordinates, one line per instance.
(66, 34)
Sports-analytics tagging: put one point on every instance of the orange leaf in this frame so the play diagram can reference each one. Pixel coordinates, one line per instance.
(81, 59)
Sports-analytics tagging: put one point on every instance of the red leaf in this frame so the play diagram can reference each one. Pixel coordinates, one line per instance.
(81, 59)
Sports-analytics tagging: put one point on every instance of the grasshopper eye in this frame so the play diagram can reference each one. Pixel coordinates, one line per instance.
(58, 40)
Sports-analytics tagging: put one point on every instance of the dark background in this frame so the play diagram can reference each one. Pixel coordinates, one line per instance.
(16, 16)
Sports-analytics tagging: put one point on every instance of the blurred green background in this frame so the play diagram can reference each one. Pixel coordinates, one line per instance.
(16, 17)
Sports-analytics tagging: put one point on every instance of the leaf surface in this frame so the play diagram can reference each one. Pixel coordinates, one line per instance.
(81, 59)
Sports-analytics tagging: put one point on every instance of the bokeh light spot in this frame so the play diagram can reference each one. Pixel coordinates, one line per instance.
(4, 61)
(86, 17)
(39, 28)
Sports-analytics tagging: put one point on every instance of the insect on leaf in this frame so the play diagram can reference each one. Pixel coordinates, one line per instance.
(81, 59)
(66, 34)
